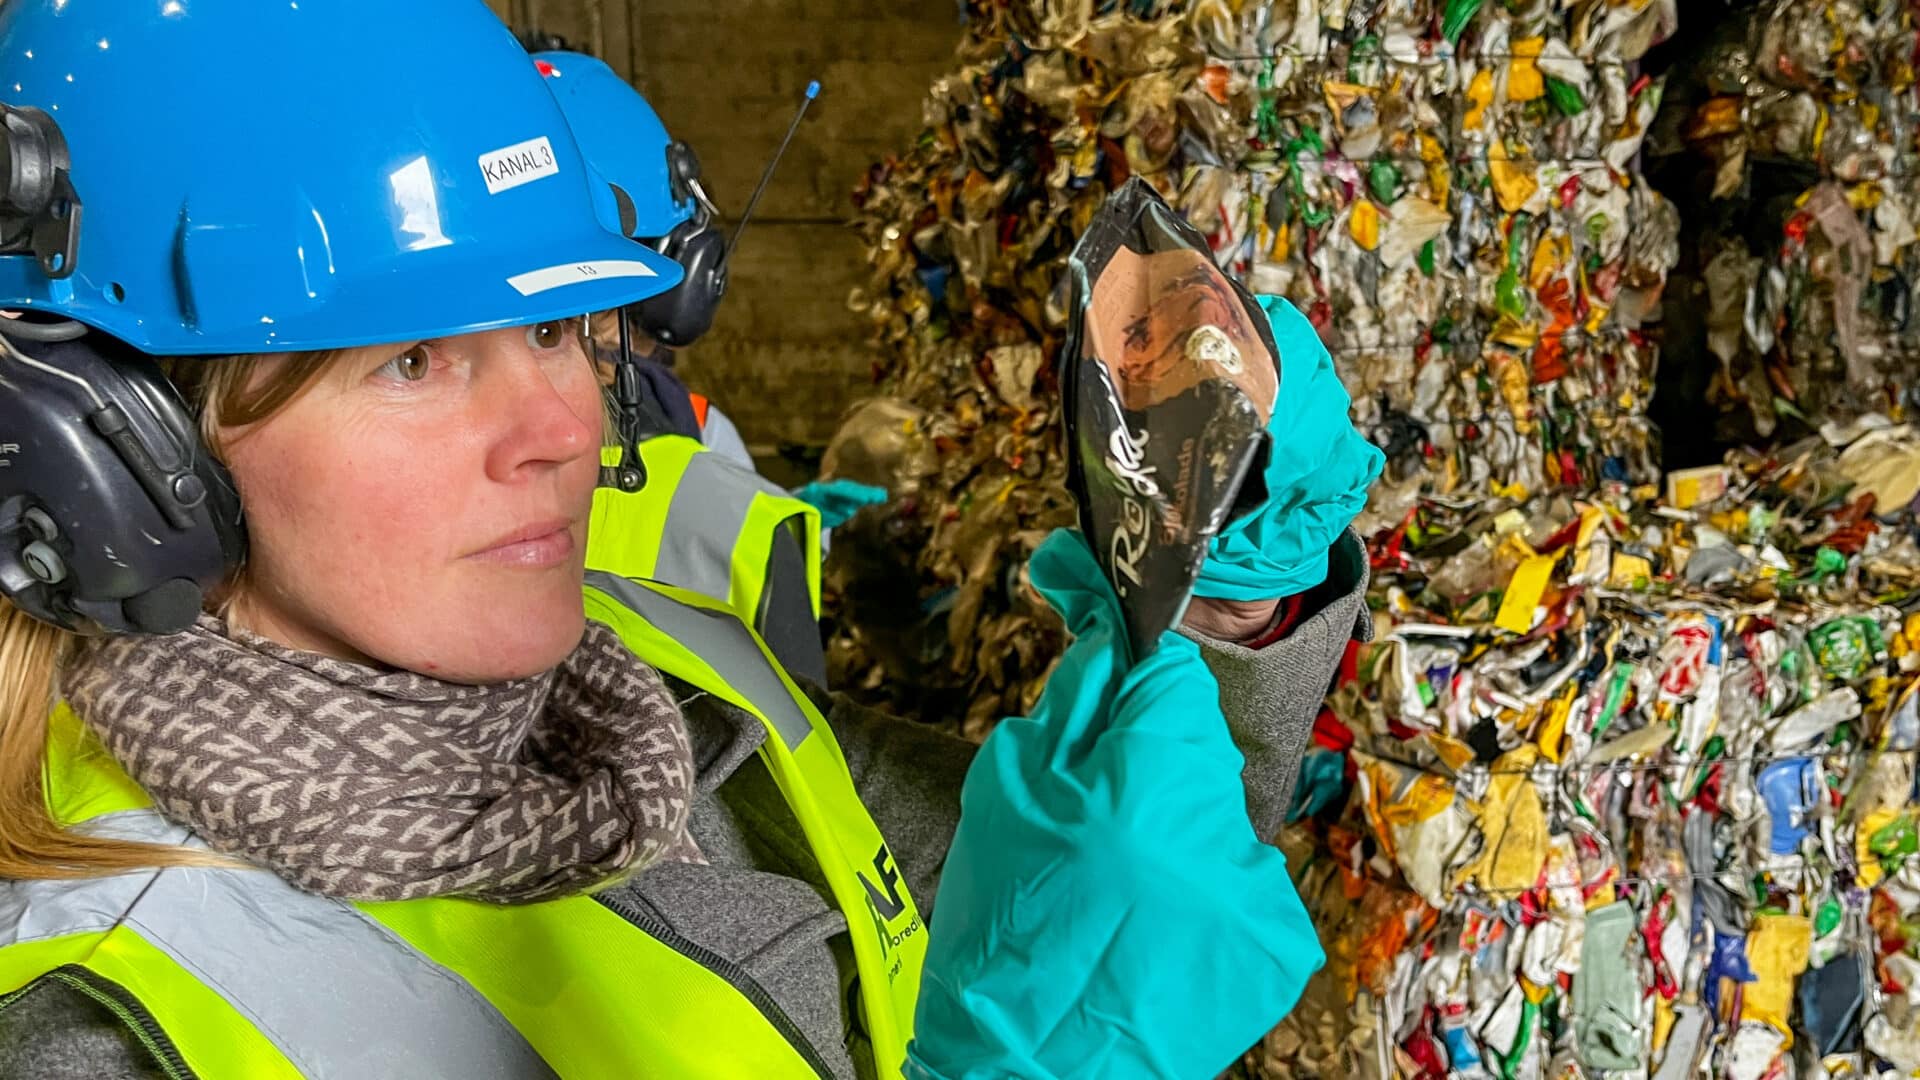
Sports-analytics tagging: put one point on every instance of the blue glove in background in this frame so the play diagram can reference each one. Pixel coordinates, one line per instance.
(839, 500)
(1317, 477)
(1106, 909)
(1323, 780)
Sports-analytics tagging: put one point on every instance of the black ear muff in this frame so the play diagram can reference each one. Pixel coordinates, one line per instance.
(686, 311)
(114, 517)
(683, 313)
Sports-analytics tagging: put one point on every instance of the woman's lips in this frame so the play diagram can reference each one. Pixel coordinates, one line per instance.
(536, 547)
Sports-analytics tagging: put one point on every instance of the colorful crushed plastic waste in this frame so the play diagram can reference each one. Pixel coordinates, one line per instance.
(1806, 113)
(1626, 786)
(1455, 204)
(1644, 777)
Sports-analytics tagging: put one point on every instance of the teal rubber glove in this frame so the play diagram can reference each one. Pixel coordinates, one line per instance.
(1106, 909)
(1317, 477)
(839, 500)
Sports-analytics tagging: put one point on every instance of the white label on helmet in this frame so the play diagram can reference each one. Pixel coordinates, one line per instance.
(521, 163)
(539, 281)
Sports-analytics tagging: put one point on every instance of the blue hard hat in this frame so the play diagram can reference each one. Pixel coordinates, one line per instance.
(621, 137)
(267, 175)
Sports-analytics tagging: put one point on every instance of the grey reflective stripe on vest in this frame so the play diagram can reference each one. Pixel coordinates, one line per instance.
(704, 520)
(720, 640)
(336, 992)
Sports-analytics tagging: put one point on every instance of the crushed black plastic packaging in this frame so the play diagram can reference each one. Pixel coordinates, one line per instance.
(1169, 381)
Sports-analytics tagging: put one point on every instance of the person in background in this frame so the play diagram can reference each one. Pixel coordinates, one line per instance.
(666, 208)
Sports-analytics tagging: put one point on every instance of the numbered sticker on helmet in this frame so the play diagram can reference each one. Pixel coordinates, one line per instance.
(552, 277)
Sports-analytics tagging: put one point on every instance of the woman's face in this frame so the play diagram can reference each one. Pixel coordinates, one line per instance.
(424, 505)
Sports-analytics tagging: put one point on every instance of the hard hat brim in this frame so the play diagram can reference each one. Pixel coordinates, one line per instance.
(415, 299)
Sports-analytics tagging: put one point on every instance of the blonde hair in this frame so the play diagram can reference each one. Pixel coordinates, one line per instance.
(33, 843)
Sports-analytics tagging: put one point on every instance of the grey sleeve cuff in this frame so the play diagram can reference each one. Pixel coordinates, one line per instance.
(1270, 696)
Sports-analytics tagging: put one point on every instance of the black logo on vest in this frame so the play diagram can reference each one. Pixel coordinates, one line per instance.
(887, 904)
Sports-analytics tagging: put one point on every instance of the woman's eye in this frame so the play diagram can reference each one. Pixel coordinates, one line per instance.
(548, 335)
(409, 366)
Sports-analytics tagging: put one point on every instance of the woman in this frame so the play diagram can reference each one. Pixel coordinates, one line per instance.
(499, 843)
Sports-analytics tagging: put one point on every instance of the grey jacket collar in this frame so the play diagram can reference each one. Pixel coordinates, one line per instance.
(723, 735)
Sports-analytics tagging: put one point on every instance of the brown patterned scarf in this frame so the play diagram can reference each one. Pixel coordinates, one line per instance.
(366, 784)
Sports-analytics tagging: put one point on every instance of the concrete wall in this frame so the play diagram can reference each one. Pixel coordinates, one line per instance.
(786, 357)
